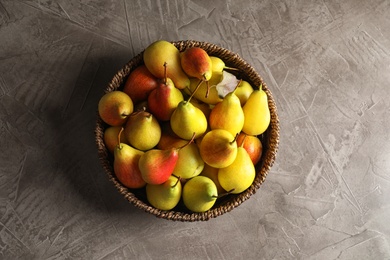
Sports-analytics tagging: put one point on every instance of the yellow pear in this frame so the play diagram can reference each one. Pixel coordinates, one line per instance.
(208, 96)
(243, 91)
(163, 52)
(256, 112)
(228, 115)
(239, 175)
(187, 120)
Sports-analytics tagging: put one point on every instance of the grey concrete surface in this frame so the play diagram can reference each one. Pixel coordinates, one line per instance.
(327, 63)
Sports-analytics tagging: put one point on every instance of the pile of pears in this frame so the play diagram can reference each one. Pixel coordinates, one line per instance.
(184, 128)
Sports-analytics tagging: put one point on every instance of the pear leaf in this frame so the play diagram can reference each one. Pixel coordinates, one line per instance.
(227, 84)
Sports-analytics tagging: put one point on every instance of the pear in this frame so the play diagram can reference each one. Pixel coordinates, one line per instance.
(157, 165)
(196, 63)
(212, 173)
(202, 106)
(110, 138)
(218, 66)
(252, 145)
(142, 130)
(125, 165)
(228, 114)
(207, 91)
(189, 164)
(188, 119)
(163, 52)
(239, 175)
(218, 148)
(164, 99)
(243, 91)
(114, 108)
(164, 196)
(256, 112)
(168, 138)
(199, 194)
(140, 83)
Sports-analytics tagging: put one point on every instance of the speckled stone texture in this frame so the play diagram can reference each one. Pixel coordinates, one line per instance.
(327, 63)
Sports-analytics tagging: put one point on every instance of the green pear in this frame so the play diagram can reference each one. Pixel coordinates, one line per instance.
(187, 120)
(163, 52)
(239, 175)
(212, 173)
(164, 196)
(126, 168)
(256, 112)
(189, 164)
(227, 114)
(196, 63)
(142, 130)
(218, 148)
(114, 108)
(199, 194)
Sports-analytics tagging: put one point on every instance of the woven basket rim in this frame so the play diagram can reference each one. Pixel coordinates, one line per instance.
(262, 168)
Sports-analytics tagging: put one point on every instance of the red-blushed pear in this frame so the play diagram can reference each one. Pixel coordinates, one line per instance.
(252, 145)
(157, 165)
(125, 165)
(140, 83)
(114, 107)
(218, 148)
(196, 63)
(110, 138)
(163, 100)
(160, 52)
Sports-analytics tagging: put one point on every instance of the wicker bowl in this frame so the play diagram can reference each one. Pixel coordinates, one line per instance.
(269, 139)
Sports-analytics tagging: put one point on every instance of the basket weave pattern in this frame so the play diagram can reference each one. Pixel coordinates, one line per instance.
(270, 139)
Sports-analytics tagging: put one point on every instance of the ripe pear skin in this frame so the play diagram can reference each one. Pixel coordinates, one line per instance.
(199, 194)
(164, 99)
(114, 108)
(252, 145)
(157, 165)
(139, 84)
(243, 91)
(218, 148)
(126, 169)
(196, 63)
(164, 196)
(207, 96)
(163, 52)
(256, 112)
(187, 120)
(239, 175)
(212, 173)
(227, 115)
(110, 138)
(189, 164)
(217, 65)
(142, 130)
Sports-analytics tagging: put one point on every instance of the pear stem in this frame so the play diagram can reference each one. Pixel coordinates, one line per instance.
(119, 138)
(208, 89)
(189, 142)
(231, 68)
(165, 73)
(197, 87)
(223, 194)
(261, 86)
(178, 179)
(238, 84)
(235, 139)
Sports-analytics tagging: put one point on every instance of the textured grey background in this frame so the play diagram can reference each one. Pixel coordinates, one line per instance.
(327, 63)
